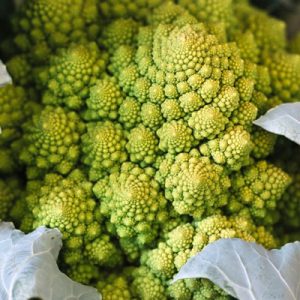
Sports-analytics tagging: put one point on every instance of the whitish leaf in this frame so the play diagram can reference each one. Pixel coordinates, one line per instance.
(247, 270)
(28, 267)
(4, 76)
(284, 119)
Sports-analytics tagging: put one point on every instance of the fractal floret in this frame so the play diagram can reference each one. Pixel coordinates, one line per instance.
(129, 127)
(43, 26)
(196, 186)
(51, 141)
(71, 73)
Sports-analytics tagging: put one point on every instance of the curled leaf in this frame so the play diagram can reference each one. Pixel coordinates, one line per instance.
(247, 270)
(28, 267)
(284, 120)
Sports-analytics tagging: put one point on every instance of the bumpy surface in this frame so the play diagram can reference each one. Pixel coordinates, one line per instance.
(257, 191)
(142, 145)
(104, 100)
(44, 25)
(129, 127)
(9, 192)
(12, 112)
(51, 141)
(132, 201)
(71, 73)
(193, 182)
(104, 148)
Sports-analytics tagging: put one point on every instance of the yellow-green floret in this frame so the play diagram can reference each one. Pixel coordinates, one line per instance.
(175, 137)
(104, 100)
(44, 25)
(132, 201)
(71, 73)
(196, 186)
(51, 141)
(114, 287)
(129, 113)
(9, 194)
(231, 149)
(12, 112)
(257, 190)
(103, 148)
(142, 145)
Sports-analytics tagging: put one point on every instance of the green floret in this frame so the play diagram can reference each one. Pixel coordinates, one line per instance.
(114, 287)
(138, 10)
(160, 261)
(8, 161)
(205, 289)
(289, 204)
(181, 237)
(131, 199)
(66, 204)
(13, 112)
(245, 87)
(129, 113)
(20, 70)
(244, 115)
(211, 11)
(190, 101)
(163, 165)
(117, 33)
(168, 13)
(104, 100)
(195, 186)
(9, 192)
(171, 110)
(146, 286)
(51, 141)
(227, 100)
(257, 190)
(269, 33)
(247, 44)
(71, 73)
(151, 116)
(231, 149)
(169, 66)
(179, 291)
(42, 26)
(142, 145)
(284, 71)
(84, 272)
(103, 252)
(175, 137)
(207, 122)
(263, 141)
(263, 82)
(103, 148)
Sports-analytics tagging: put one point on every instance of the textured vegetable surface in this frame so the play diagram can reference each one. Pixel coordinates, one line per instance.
(128, 126)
